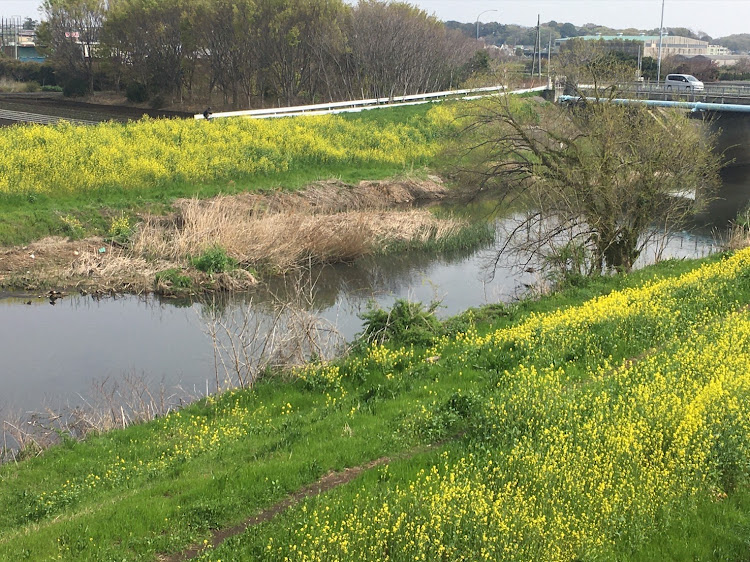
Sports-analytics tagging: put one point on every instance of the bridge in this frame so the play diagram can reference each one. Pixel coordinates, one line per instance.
(719, 92)
(726, 108)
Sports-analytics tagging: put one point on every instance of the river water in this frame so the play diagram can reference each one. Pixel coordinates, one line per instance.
(52, 356)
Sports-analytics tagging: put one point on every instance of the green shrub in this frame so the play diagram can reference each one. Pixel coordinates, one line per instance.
(137, 92)
(406, 323)
(51, 89)
(174, 278)
(120, 230)
(214, 260)
(75, 87)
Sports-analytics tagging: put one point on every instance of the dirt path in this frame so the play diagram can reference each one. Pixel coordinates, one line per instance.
(324, 484)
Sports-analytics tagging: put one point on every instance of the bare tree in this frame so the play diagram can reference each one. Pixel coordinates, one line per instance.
(286, 41)
(592, 69)
(153, 41)
(397, 49)
(282, 333)
(225, 31)
(73, 28)
(595, 176)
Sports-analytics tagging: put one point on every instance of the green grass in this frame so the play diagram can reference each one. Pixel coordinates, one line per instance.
(715, 530)
(27, 217)
(159, 487)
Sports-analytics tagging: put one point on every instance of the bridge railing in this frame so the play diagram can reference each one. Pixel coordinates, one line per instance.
(722, 90)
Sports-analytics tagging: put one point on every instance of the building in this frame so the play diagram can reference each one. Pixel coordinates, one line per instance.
(648, 44)
(718, 50)
(26, 38)
(727, 60)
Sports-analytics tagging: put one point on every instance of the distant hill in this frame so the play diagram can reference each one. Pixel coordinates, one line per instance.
(498, 33)
(740, 42)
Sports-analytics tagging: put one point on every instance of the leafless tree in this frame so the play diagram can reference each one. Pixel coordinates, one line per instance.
(397, 49)
(226, 33)
(595, 176)
(73, 28)
(153, 41)
(259, 337)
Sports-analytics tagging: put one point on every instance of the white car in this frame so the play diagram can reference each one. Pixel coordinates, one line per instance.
(683, 82)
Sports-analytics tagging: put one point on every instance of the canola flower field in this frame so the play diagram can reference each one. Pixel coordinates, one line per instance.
(580, 433)
(66, 159)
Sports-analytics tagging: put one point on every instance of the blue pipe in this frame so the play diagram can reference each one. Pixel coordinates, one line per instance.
(693, 106)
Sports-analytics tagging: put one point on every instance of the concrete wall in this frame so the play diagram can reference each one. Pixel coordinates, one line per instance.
(734, 138)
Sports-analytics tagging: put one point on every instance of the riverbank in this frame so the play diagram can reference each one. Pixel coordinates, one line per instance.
(183, 207)
(75, 180)
(602, 403)
(225, 242)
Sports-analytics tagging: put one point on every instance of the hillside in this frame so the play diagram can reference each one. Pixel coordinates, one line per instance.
(738, 43)
(608, 422)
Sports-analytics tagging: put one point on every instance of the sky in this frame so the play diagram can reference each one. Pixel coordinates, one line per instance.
(717, 18)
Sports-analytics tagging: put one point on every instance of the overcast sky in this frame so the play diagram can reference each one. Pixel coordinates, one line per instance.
(718, 18)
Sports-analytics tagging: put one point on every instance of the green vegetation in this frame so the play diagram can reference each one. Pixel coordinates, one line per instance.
(144, 166)
(603, 422)
(214, 260)
(406, 323)
(477, 234)
(120, 230)
(174, 279)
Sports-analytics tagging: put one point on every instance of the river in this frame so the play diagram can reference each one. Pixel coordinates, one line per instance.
(53, 356)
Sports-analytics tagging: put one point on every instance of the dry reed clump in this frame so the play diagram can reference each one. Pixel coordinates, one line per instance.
(328, 222)
(281, 240)
(8, 85)
(736, 238)
(333, 196)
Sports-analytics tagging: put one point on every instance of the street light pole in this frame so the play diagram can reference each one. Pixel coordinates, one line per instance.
(661, 39)
(479, 16)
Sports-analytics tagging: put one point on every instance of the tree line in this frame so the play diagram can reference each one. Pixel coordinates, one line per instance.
(252, 52)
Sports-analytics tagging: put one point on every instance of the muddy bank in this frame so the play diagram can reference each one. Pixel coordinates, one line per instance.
(271, 233)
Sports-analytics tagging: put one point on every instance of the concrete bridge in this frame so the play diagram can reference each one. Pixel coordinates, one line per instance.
(731, 120)
(717, 92)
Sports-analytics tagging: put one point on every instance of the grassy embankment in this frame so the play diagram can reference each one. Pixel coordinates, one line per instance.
(609, 422)
(143, 188)
(72, 180)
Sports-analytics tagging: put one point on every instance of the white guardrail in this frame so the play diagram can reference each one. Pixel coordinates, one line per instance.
(373, 103)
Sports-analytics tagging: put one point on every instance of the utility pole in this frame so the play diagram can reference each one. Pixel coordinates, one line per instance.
(661, 39)
(549, 61)
(640, 61)
(539, 44)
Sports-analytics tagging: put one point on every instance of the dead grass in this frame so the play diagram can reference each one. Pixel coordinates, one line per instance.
(736, 238)
(327, 222)
(282, 240)
(8, 85)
